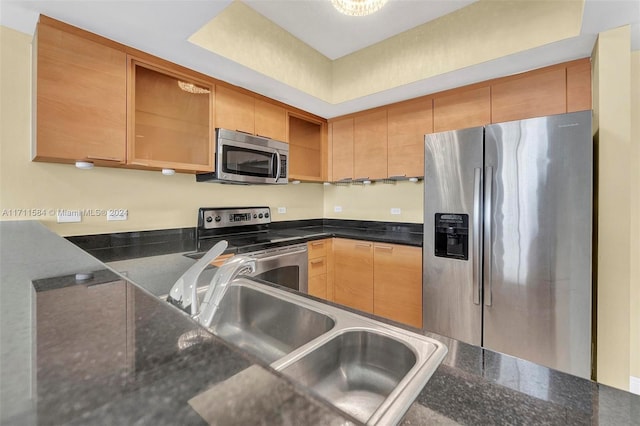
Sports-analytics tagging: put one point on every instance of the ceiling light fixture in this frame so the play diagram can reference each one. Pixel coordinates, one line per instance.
(358, 7)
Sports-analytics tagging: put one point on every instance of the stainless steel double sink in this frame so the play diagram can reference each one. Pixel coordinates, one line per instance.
(370, 370)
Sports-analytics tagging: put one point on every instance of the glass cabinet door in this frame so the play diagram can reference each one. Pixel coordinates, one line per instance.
(170, 120)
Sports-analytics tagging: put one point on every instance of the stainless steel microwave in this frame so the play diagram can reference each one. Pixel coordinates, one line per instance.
(242, 158)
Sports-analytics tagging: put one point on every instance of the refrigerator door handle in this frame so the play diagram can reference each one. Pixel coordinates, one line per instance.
(488, 194)
(477, 243)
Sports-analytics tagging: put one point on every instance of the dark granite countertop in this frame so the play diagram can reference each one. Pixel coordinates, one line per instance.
(104, 351)
(130, 245)
(151, 378)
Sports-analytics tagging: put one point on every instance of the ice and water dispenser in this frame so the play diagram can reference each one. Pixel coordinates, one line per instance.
(452, 235)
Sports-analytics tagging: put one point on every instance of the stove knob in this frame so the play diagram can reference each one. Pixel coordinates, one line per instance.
(266, 215)
(218, 218)
(255, 216)
(260, 216)
(209, 219)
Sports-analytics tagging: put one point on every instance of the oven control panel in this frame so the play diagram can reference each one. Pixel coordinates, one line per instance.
(214, 218)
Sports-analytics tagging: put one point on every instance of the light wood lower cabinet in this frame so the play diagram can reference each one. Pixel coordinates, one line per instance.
(353, 273)
(397, 283)
(378, 278)
(320, 269)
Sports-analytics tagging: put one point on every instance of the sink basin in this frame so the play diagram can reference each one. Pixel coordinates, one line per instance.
(355, 371)
(268, 327)
(370, 370)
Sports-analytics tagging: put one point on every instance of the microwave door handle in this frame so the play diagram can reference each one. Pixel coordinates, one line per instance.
(278, 165)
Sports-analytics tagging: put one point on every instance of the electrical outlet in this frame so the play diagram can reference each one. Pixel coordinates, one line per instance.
(396, 210)
(282, 210)
(337, 209)
(69, 216)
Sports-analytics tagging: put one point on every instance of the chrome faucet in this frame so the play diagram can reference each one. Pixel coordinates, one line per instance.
(232, 268)
(184, 292)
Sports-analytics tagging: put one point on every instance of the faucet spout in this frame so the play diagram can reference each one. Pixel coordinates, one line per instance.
(184, 292)
(232, 268)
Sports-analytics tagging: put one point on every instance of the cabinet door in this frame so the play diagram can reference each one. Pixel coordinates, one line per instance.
(407, 124)
(81, 99)
(370, 146)
(397, 283)
(306, 149)
(234, 110)
(170, 117)
(318, 277)
(353, 269)
(462, 109)
(318, 267)
(342, 149)
(271, 120)
(534, 95)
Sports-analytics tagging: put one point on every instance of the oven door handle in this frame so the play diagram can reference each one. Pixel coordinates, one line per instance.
(278, 255)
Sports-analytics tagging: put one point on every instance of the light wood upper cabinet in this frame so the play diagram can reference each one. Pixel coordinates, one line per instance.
(307, 149)
(462, 108)
(397, 283)
(353, 269)
(80, 98)
(579, 86)
(170, 119)
(270, 120)
(242, 112)
(234, 110)
(535, 94)
(408, 122)
(342, 149)
(370, 145)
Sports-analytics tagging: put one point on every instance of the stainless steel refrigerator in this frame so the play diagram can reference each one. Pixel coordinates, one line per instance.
(508, 238)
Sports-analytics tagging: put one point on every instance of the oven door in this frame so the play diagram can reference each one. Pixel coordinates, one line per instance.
(285, 266)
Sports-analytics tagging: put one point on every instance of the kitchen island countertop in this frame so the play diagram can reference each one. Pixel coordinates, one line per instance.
(147, 376)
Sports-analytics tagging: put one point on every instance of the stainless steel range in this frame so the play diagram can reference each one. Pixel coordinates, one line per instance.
(248, 232)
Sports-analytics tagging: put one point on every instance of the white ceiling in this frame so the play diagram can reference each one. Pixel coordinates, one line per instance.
(162, 27)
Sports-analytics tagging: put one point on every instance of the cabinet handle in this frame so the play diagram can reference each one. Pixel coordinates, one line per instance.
(362, 178)
(398, 176)
(363, 245)
(246, 133)
(316, 244)
(263, 136)
(93, 157)
(316, 261)
(387, 248)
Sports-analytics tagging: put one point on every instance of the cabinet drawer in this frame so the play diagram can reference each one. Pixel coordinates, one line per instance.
(317, 266)
(317, 248)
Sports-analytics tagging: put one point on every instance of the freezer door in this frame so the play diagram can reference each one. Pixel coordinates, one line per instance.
(538, 230)
(452, 250)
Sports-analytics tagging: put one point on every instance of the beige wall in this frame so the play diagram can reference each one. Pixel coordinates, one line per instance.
(375, 201)
(635, 216)
(153, 201)
(612, 125)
